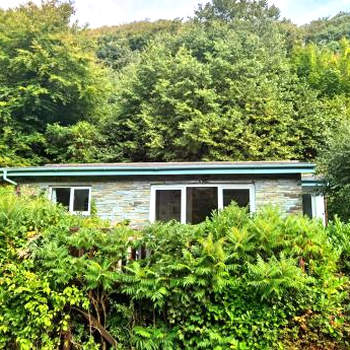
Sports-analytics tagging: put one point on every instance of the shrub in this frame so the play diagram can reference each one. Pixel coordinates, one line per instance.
(234, 281)
(240, 282)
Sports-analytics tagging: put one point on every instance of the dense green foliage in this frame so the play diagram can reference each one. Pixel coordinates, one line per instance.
(326, 71)
(48, 73)
(334, 165)
(118, 46)
(235, 82)
(328, 31)
(234, 281)
(216, 94)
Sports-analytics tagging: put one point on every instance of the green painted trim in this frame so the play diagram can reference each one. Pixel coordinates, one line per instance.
(244, 169)
(169, 167)
(312, 183)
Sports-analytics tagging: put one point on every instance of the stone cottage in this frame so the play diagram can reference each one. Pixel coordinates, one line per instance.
(187, 192)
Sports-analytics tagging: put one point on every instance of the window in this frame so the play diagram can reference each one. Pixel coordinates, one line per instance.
(314, 206)
(307, 205)
(240, 196)
(193, 203)
(81, 200)
(201, 201)
(168, 205)
(62, 196)
(75, 199)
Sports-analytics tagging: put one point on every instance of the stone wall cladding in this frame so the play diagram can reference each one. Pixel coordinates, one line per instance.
(128, 198)
(284, 193)
(123, 200)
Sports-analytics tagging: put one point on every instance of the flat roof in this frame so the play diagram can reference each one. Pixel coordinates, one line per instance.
(174, 164)
(165, 168)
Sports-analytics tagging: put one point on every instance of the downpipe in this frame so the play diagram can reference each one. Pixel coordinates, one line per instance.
(6, 179)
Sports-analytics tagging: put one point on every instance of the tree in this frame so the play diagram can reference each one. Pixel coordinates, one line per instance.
(81, 142)
(48, 72)
(233, 83)
(212, 93)
(334, 167)
(328, 31)
(118, 46)
(326, 70)
(254, 11)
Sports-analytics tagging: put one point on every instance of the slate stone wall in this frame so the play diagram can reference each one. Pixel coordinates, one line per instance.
(128, 198)
(284, 193)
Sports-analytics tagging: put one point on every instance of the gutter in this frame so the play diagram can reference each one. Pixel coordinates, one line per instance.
(236, 169)
(306, 167)
(312, 183)
(6, 179)
(65, 172)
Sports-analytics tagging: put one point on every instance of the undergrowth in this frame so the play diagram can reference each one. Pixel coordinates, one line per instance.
(235, 281)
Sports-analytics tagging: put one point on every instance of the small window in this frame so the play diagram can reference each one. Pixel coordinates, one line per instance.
(307, 205)
(168, 205)
(201, 202)
(75, 199)
(240, 196)
(314, 206)
(62, 196)
(81, 200)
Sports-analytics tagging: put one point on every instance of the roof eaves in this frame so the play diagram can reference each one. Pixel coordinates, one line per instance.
(296, 168)
(313, 183)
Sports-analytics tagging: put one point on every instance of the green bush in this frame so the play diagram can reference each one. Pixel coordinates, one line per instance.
(236, 281)
(242, 282)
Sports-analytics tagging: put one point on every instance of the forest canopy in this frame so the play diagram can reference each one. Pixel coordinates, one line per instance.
(235, 82)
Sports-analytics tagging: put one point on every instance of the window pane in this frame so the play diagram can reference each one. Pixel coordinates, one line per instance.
(241, 197)
(81, 200)
(168, 205)
(201, 201)
(307, 205)
(62, 196)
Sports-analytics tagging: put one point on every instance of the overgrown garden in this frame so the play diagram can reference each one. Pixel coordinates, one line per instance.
(235, 281)
(235, 82)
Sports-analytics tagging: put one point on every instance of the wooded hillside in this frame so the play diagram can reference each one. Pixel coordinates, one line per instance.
(235, 82)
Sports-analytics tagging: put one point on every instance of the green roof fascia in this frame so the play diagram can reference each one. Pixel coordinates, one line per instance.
(312, 183)
(271, 169)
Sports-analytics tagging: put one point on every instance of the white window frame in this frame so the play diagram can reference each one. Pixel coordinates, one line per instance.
(183, 189)
(318, 208)
(71, 198)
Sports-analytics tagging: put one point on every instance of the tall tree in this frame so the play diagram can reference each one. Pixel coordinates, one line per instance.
(81, 142)
(47, 71)
(334, 166)
(329, 30)
(254, 11)
(325, 69)
(213, 93)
